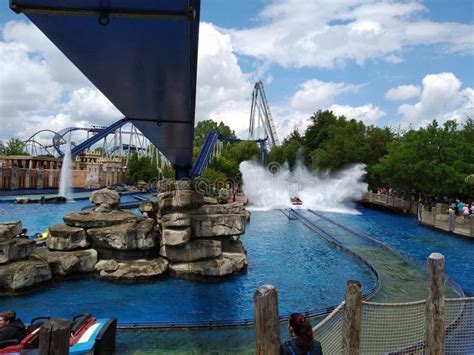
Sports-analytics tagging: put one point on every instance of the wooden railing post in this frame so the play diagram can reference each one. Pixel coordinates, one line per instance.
(420, 212)
(451, 219)
(54, 337)
(433, 216)
(352, 317)
(434, 321)
(267, 327)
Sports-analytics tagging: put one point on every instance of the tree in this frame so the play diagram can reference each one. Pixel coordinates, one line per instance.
(2, 149)
(15, 147)
(433, 160)
(204, 127)
(101, 151)
(293, 147)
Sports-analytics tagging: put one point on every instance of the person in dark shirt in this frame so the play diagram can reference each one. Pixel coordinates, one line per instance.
(10, 327)
(302, 341)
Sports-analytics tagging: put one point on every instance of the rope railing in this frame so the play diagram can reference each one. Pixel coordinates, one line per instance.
(434, 325)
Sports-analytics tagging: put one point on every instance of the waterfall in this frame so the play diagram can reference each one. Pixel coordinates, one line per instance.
(65, 180)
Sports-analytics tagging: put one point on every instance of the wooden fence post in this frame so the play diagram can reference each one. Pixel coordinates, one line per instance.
(420, 212)
(433, 216)
(352, 316)
(434, 321)
(54, 337)
(451, 219)
(267, 326)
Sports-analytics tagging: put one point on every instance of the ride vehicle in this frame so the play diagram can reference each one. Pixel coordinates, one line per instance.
(88, 336)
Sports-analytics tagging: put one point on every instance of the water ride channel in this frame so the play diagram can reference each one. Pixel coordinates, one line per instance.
(309, 257)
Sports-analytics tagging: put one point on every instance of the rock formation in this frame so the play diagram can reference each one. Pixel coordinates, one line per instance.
(183, 234)
(19, 269)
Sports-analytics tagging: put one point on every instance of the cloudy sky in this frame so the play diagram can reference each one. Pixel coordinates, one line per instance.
(387, 63)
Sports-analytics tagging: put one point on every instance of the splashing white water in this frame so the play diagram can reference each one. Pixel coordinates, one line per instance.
(333, 193)
(65, 179)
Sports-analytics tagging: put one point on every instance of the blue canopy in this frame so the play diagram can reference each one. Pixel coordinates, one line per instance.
(141, 54)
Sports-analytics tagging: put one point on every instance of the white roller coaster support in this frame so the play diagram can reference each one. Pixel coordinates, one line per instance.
(261, 107)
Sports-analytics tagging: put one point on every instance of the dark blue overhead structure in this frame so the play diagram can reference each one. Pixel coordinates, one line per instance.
(141, 54)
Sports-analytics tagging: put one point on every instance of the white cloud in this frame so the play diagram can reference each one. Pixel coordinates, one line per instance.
(402, 92)
(327, 34)
(315, 94)
(442, 98)
(223, 90)
(90, 105)
(369, 114)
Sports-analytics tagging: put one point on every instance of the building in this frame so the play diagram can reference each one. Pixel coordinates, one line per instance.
(90, 170)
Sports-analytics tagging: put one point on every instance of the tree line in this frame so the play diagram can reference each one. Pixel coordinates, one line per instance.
(433, 160)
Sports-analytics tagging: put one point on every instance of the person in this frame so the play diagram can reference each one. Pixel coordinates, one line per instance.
(302, 340)
(465, 212)
(11, 328)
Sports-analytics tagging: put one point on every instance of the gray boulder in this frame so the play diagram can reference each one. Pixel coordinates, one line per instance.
(192, 251)
(228, 264)
(210, 200)
(228, 208)
(105, 196)
(176, 236)
(64, 237)
(67, 262)
(137, 235)
(215, 225)
(9, 229)
(22, 274)
(179, 200)
(177, 219)
(92, 219)
(136, 270)
(107, 265)
(15, 249)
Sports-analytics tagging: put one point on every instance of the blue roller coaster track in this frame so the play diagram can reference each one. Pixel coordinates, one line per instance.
(211, 139)
(101, 132)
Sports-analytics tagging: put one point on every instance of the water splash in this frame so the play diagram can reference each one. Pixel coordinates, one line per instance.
(272, 187)
(65, 180)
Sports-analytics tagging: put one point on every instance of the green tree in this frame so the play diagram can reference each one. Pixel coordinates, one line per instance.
(2, 149)
(204, 127)
(101, 151)
(433, 160)
(15, 147)
(293, 148)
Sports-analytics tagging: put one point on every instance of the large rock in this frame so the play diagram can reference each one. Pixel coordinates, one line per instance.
(177, 219)
(64, 237)
(16, 248)
(228, 208)
(22, 274)
(192, 251)
(215, 225)
(176, 236)
(179, 200)
(135, 270)
(9, 229)
(137, 235)
(92, 219)
(67, 262)
(228, 264)
(105, 196)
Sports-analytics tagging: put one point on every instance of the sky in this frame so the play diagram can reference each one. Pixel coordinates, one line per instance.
(388, 63)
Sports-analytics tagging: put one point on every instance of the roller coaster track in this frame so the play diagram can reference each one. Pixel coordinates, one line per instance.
(101, 133)
(211, 139)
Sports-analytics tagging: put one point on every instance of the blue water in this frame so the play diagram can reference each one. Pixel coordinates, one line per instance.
(405, 234)
(308, 273)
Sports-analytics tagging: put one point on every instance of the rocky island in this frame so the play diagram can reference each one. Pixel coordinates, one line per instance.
(184, 234)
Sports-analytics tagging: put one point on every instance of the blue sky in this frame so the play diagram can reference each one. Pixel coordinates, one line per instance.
(383, 62)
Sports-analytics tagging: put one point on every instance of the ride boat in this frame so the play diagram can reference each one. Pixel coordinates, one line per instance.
(296, 201)
(89, 335)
